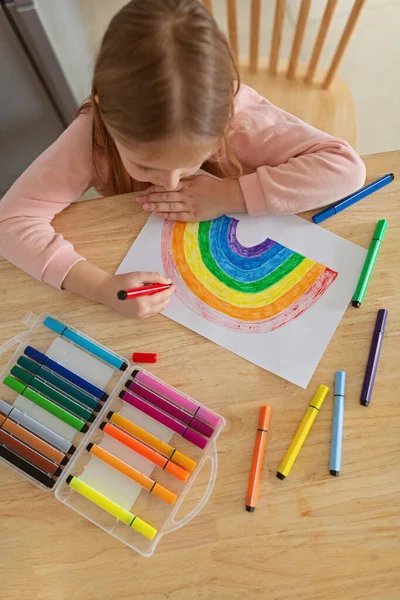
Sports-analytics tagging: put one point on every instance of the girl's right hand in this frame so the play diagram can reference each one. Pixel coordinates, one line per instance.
(137, 308)
(95, 284)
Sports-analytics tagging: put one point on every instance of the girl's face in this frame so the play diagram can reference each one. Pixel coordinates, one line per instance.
(165, 163)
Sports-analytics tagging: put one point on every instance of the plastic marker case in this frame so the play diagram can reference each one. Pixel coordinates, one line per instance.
(94, 488)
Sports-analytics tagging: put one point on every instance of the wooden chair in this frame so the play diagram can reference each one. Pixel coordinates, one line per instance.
(316, 96)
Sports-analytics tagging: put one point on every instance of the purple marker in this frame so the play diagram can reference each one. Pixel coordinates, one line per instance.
(177, 398)
(157, 415)
(373, 358)
(169, 408)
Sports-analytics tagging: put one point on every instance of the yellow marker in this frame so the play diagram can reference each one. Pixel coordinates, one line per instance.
(151, 440)
(113, 509)
(302, 432)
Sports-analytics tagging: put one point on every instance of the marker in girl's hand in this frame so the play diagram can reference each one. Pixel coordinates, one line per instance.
(145, 290)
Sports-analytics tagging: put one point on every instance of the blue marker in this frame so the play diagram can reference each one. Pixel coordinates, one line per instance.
(86, 344)
(51, 364)
(337, 423)
(353, 198)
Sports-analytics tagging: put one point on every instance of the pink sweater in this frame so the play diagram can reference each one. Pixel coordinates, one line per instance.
(288, 167)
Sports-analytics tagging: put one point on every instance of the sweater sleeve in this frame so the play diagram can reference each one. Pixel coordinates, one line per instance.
(58, 177)
(290, 166)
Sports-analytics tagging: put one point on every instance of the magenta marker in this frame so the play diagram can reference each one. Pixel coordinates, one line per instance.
(157, 415)
(173, 396)
(170, 408)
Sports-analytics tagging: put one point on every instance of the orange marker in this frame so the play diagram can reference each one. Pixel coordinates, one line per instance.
(144, 436)
(258, 457)
(143, 480)
(145, 451)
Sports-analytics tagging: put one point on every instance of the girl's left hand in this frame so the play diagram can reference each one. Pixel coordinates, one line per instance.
(199, 198)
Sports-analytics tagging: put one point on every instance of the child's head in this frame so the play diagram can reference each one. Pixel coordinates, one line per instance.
(163, 90)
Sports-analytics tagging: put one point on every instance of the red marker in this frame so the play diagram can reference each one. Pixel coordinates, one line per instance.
(145, 290)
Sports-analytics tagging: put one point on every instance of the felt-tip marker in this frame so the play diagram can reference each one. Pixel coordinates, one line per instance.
(373, 358)
(144, 290)
(353, 198)
(337, 424)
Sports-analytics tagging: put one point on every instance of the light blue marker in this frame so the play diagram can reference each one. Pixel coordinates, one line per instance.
(337, 423)
(84, 343)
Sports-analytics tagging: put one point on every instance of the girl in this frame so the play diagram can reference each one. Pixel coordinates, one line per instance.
(165, 101)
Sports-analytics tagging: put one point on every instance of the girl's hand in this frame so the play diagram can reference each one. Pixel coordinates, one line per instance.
(137, 308)
(199, 198)
(91, 282)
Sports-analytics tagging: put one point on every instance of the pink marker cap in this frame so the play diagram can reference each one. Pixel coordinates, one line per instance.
(208, 417)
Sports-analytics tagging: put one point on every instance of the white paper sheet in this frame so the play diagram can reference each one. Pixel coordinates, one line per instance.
(292, 350)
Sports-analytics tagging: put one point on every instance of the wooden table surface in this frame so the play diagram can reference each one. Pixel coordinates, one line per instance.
(312, 536)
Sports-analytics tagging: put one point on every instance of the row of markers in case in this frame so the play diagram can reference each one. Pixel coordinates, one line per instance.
(53, 404)
(172, 410)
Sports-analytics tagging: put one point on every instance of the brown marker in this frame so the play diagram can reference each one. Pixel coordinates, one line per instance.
(29, 454)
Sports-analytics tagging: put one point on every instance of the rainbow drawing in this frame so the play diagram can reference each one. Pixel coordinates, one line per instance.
(249, 289)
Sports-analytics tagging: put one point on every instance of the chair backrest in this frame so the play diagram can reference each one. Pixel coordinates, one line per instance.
(280, 10)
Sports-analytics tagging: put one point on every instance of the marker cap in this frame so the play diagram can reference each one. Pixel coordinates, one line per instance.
(54, 325)
(323, 215)
(5, 408)
(340, 383)
(183, 461)
(195, 438)
(381, 320)
(144, 528)
(144, 357)
(380, 229)
(176, 470)
(161, 492)
(265, 413)
(15, 385)
(320, 396)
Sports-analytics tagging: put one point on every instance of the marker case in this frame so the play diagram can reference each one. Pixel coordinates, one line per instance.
(113, 484)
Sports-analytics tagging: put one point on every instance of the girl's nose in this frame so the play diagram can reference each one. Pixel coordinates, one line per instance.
(171, 180)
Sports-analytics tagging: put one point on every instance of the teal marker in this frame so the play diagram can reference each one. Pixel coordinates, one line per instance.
(85, 343)
(370, 260)
(49, 392)
(58, 383)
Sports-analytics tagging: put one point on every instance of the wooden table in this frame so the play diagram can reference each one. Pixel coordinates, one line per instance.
(312, 536)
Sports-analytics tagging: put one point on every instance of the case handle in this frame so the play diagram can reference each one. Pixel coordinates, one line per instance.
(213, 457)
(10, 343)
(30, 320)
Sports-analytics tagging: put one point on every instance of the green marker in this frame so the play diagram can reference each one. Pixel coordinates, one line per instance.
(52, 408)
(49, 392)
(367, 269)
